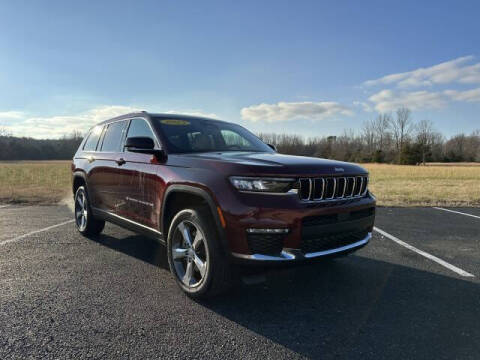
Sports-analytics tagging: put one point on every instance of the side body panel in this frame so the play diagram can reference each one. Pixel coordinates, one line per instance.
(141, 189)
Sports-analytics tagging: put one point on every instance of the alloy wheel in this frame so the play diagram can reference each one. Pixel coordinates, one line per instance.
(189, 254)
(81, 210)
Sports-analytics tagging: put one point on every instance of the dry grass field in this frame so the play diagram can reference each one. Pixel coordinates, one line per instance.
(452, 164)
(48, 182)
(439, 185)
(38, 182)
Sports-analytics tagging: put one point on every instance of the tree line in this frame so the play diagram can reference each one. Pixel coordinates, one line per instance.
(23, 148)
(388, 138)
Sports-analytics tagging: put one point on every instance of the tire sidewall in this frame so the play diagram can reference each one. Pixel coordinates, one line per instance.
(194, 216)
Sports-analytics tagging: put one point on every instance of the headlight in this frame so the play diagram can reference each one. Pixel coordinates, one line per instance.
(270, 185)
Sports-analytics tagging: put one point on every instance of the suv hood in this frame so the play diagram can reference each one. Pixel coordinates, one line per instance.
(274, 163)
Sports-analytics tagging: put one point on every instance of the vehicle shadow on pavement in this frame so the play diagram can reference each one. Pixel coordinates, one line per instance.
(360, 308)
(353, 307)
(140, 247)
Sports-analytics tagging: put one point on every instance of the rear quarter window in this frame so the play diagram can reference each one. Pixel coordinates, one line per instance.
(92, 139)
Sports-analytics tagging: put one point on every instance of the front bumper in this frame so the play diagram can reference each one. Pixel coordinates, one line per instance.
(310, 228)
(296, 255)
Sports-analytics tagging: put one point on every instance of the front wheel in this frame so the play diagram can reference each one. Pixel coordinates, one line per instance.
(86, 224)
(195, 256)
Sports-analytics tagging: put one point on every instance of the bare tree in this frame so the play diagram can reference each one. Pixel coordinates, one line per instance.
(472, 146)
(476, 144)
(425, 137)
(401, 126)
(437, 148)
(269, 138)
(74, 135)
(369, 135)
(455, 148)
(382, 127)
(4, 132)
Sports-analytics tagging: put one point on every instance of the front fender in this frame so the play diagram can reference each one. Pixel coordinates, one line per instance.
(194, 190)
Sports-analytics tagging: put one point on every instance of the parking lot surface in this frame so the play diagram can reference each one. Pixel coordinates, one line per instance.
(66, 296)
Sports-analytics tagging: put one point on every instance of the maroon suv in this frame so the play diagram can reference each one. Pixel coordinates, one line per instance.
(214, 193)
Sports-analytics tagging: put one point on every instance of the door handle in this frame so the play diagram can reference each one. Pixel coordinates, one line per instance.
(120, 161)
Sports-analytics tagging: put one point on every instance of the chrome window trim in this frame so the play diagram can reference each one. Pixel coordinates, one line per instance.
(158, 144)
(104, 133)
(105, 124)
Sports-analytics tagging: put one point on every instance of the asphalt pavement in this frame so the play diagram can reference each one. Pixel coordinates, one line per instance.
(66, 296)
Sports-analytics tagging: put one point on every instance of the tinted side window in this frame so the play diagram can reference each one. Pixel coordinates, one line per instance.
(113, 136)
(140, 127)
(92, 140)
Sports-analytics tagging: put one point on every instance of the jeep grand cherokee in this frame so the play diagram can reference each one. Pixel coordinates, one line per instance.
(215, 194)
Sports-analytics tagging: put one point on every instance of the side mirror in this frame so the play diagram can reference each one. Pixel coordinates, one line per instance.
(145, 145)
(139, 143)
(274, 148)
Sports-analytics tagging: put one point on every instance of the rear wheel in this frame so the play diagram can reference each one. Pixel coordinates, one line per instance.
(84, 220)
(195, 256)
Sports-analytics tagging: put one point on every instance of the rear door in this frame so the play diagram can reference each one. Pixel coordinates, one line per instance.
(141, 180)
(88, 156)
(108, 167)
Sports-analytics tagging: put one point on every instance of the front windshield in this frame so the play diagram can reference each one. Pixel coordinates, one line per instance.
(193, 135)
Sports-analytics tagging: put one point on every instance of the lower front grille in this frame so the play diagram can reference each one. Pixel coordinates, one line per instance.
(265, 244)
(332, 241)
(337, 218)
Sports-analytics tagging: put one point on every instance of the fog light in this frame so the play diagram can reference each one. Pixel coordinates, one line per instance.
(267, 231)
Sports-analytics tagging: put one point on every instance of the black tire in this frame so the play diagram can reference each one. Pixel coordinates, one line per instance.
(217, 276)
(85, 222)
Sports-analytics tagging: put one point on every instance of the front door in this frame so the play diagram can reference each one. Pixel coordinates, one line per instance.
(140, 184)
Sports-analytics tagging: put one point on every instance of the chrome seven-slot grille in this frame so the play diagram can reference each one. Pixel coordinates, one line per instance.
(332, 188)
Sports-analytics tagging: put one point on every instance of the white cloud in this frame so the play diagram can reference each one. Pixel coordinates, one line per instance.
(57, 126)
(288, 111)
(454, 71)
(11, 115)
(365, 106)
(389, 100)
(472, 95)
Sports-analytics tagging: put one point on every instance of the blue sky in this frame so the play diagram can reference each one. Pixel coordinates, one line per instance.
(312, 68)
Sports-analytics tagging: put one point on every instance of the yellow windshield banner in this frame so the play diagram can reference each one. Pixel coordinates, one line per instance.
(175, 122)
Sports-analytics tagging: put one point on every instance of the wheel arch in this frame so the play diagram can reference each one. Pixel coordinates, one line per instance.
(79, 178)
(190, 195)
